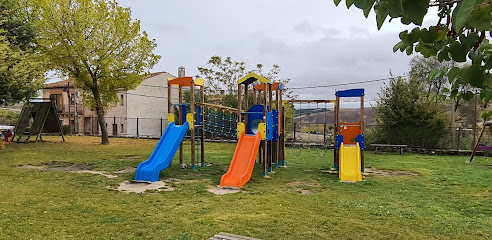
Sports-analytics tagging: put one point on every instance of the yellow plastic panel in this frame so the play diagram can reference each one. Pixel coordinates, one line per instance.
(170, 118)
(350, 165)
(240, 129)
(190, 119)
(262, 130)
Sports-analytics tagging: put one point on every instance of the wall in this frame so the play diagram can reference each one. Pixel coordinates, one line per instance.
(149, 103)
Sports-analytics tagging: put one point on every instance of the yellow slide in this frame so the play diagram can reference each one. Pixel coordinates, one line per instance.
(350, 168)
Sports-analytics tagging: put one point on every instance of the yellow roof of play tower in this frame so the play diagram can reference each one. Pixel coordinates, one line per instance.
(252, 77)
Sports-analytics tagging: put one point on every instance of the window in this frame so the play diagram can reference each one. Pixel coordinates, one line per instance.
(122, 128)
(121, 100)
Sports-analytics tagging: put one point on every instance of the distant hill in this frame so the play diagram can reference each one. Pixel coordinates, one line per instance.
(346, 115)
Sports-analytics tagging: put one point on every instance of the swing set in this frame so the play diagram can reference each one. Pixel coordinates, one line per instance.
(302, 127)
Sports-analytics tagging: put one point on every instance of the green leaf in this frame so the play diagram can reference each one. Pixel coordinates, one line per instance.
(453, 73)
(468, 95)
(481, 18)
(433, 73)
(462, 12)
(428, 36)
(349, 3)
(457, 52)
(415, 10)
(454, 93)
(395, 8)
(486, 115)
(399, 46)
(468, 41)
(473, 75)
(444, 55)
(487, 80)
(445, 90)
(337, 2)
(409, 49)
(441, 34)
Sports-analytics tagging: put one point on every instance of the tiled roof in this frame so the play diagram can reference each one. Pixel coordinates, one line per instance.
(59, 84)
(62, 84)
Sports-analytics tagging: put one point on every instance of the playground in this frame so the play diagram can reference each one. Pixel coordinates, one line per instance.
(412, 196)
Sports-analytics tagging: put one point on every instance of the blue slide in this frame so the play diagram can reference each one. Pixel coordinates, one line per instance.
(163, 153)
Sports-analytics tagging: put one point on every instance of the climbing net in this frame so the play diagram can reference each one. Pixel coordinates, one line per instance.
(219, 120)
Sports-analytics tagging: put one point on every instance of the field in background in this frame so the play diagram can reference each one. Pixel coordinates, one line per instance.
(429, 197)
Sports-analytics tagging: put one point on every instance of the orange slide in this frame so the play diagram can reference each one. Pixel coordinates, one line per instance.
(243, 161)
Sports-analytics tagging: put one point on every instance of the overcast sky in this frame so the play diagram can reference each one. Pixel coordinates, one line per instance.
(314, 42)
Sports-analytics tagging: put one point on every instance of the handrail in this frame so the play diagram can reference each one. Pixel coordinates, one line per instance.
(217, 106)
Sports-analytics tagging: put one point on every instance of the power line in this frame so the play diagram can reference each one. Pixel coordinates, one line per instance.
(350, 83)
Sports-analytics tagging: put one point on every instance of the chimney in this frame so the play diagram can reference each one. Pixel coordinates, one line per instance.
(181, 71)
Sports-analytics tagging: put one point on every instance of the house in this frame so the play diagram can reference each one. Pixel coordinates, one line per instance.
(141, 112)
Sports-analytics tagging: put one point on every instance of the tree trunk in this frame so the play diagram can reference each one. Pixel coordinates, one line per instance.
(100, 116)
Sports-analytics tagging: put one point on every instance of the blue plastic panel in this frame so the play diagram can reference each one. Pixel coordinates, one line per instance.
(360, 140)
(351, 93)
(252, 117)
(275, 125)
(339, 140)
(199, 116)
(269, 126)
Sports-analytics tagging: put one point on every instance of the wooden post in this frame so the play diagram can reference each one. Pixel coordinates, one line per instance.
(246, 107)
(202, 129)
(264, 120)
(476, 145)
(180, 117)
(277, 143)
(270, 150)
(362, 126)
(239, 100)
(282, 133)
(337, 121)
(255, 100)
(192, 111)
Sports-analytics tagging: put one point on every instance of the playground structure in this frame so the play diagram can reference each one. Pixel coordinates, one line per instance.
(39, 117)
(261, 125)
(348, 144)
(349, 149)
(172, 139)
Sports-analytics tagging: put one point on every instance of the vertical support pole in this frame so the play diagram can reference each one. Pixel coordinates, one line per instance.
(362, 128)
(337, 122)
(246, 106)
(180, 117)
(282, 125)
(137, 128)
(270, 105)
(161, 127)
(192, 110)
(202, 129)
(69, 111)
(255, 99)
(264, 120)
(277, 143)
(239, 101)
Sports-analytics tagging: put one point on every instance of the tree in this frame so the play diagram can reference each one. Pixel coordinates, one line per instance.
(405, 115)
(422, 68)
(222, 76)
(21, 69)
(97, 43)
(459, 35)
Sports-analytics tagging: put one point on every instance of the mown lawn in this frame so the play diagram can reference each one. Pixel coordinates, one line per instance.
(448, 200)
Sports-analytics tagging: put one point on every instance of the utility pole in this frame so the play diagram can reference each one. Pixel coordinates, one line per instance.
(69, 112)
(76, 117)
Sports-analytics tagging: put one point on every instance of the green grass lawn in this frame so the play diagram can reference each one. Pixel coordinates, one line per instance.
(448, 200)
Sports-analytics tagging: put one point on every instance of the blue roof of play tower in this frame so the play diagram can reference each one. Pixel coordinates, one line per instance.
(351, 93)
